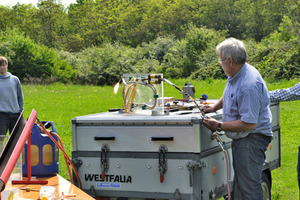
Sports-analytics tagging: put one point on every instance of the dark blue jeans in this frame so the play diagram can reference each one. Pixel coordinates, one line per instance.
(7, 122)
(248, 159)
(298, 169)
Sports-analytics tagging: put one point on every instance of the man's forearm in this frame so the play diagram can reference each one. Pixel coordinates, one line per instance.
(219, 104)
(289, 94)
(237, 126)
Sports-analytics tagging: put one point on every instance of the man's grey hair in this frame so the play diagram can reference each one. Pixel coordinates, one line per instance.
(232, 48)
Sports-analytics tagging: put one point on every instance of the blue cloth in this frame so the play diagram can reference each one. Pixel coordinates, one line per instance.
(246, 97)
(248, 158)
(289, 94)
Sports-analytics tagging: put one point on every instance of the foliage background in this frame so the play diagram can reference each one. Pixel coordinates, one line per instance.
(95, 41)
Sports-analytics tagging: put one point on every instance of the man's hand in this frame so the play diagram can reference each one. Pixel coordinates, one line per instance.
(207, 109)
(210, 123)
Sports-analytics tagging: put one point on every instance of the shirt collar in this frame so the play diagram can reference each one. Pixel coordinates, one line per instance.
(5, 76)
(233, 79)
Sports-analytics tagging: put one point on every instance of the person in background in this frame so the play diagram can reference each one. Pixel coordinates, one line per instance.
(11, 98)
(246, 118)
(289, 94)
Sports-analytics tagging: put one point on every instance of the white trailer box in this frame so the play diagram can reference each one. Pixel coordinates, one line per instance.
(150, 156)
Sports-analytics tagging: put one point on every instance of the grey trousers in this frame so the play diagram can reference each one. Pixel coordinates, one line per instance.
(248, 159)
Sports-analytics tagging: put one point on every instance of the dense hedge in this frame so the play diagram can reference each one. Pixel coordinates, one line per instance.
(276, 57)
(96, 41)
(194, 57)
(30, 61)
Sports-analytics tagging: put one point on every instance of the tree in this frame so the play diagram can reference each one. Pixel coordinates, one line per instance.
(25, 18)
(86, 23)
(27, 59)
(5, 18)
(53, 21)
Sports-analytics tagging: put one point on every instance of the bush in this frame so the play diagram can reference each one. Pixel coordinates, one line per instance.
(194, 56)
(280, 61)
(105, 65)
(278, 56)
(29, 60)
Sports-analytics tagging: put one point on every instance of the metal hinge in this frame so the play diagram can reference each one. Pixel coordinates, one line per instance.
(192, 166)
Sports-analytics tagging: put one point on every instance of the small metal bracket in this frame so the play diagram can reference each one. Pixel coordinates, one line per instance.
(212, 195)
(104, 162)
(177, 195)
(77, 162)
(162, 161)
(192, 166)
(92, 191)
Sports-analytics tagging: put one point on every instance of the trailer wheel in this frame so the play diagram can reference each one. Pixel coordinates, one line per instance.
(266, 186)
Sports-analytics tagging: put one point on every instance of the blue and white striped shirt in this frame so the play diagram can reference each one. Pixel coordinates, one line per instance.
(289, 94)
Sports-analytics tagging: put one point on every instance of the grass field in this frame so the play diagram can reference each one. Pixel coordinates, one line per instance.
(60, 103)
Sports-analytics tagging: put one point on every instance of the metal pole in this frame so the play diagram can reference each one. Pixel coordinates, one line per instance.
(18, 149)
(181, 91)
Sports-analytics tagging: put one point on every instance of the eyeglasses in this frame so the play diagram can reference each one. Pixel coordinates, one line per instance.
(220, 60)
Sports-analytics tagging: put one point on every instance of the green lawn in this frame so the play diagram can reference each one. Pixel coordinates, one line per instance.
(60, 103)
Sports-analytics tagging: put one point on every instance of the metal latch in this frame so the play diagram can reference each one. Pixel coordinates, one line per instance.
(104, 160)
(192, 166)
(162, 161)
(77, 162)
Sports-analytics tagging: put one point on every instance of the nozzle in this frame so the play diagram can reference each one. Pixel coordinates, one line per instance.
(216, 136)
(154, 78)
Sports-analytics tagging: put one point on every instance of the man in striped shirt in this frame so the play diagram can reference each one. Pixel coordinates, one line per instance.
(289, 94)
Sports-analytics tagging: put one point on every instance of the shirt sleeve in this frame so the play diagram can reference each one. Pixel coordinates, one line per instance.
(20, 96)
(289, 94)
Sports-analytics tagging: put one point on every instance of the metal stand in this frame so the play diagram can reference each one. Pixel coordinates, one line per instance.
(13, 150)
(28, 181)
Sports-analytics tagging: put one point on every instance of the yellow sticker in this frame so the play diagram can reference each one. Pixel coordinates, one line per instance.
(11, 196)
